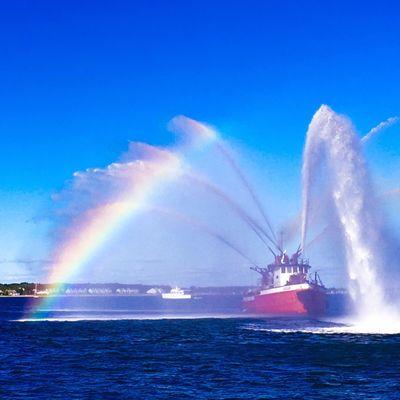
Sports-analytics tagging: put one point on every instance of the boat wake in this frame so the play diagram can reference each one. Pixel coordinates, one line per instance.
(334, 327)
(127, 317)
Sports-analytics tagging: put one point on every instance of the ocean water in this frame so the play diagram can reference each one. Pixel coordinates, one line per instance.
(165, 355)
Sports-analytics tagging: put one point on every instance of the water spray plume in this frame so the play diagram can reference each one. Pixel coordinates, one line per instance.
(331, 139)
(380, 127)
(194, 129)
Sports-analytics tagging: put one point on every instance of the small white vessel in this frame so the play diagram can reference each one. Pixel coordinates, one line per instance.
(176, 294)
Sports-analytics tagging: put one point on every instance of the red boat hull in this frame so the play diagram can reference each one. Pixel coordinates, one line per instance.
(289, 300)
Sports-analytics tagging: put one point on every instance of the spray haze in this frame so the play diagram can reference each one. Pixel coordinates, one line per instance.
(145, 202)
(196, 129)
(116, 210)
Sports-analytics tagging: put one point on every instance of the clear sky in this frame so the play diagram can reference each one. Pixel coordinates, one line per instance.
(79, 79)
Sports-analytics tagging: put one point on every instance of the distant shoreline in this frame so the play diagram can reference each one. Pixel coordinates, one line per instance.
(83, 295)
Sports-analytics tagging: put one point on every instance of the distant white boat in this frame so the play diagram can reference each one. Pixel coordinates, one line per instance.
(176, 294)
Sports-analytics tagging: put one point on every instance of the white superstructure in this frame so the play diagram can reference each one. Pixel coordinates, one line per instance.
(176, 294)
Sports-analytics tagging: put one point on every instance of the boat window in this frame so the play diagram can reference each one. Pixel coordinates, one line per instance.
(295, 270)
(289, 270)
(283, 270)
(301, 269)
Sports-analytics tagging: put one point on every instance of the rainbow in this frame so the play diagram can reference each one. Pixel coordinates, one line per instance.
(87, 234)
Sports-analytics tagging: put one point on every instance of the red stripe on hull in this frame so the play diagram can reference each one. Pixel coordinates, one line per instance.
(294, 302)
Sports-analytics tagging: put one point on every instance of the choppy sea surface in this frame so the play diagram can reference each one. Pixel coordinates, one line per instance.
(153, 355)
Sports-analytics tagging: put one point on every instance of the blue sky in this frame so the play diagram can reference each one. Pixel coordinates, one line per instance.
(80, 79)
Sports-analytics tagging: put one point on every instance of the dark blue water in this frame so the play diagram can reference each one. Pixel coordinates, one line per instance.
(94, 307)
(209, 358)
(69, 307)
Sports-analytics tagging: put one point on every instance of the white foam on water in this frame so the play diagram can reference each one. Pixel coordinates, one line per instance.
(350, 329)
(346, 325)
(133, 317)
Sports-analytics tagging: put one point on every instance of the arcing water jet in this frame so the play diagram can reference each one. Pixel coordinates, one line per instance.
(239, 210)
(247, 185)
(380, 127)
(204, 228)
(193, 128)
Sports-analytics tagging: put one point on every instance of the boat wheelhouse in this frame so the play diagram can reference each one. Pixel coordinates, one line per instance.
(287, 287)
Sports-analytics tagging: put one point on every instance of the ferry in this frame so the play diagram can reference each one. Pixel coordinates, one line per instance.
(176, 294)
(287, 288)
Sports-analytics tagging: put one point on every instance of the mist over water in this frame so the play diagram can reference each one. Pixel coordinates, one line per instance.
(333, 146)
(153, 191)
(187, 211)
(194, 128)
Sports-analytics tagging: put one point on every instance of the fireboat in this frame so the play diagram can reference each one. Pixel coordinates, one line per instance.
(287, 288)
